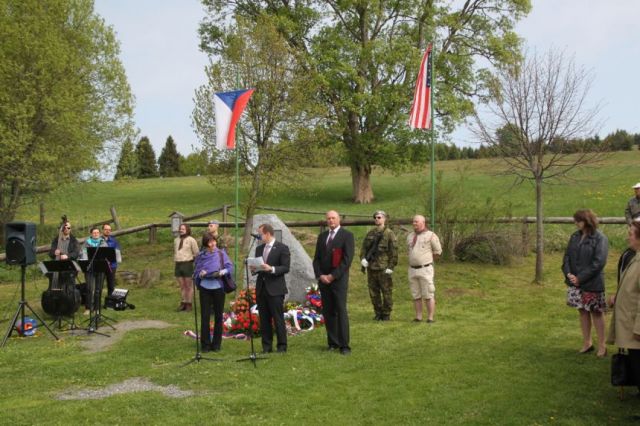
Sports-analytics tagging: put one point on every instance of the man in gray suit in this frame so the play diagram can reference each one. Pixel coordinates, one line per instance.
(271, 288)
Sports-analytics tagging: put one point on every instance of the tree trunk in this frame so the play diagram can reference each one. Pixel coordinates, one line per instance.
(539, 231)
(250, 209)
(362, 192)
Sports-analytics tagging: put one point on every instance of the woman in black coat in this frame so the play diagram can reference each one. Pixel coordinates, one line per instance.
(583, 268)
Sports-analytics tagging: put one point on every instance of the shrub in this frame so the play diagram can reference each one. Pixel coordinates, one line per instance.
(486, 247)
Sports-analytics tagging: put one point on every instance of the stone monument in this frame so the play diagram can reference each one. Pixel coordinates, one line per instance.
(300, 274)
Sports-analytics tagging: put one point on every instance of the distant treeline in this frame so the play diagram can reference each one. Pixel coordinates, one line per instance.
(140, 161)
(620, 140)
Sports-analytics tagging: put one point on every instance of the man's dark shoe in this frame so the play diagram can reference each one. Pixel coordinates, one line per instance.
(281, 350)
(378, 317)
(267, 351)
(205, 348)
(385, 318)
(345, 351)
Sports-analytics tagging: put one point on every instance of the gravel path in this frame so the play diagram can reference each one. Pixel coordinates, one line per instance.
(136, 384)
(99, 343)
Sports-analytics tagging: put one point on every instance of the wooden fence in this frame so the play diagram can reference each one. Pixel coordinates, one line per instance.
(152, 228)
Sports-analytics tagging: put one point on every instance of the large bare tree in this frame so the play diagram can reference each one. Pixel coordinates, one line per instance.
(535, 118)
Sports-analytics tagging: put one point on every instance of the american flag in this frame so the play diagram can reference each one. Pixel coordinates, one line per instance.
(420, 117)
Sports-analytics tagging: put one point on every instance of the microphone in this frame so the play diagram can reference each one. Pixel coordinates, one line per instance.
(256, 236)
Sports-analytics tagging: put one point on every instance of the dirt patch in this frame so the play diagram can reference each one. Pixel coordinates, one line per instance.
(136, 384)
(97, 342)
(459, 292)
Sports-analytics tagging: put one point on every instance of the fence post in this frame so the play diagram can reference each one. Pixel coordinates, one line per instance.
(525, 236)
(114, 216)
(41, 213)
(152, 234)
(225, 211)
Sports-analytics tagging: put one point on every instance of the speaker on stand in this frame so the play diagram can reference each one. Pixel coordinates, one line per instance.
(20, 249)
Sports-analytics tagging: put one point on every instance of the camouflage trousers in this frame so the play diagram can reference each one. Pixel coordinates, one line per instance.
(380, 289)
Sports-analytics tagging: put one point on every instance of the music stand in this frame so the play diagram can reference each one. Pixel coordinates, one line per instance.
(69, 267)
(95, 268)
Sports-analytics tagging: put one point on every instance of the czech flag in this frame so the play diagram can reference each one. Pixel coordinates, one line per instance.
(228, 108)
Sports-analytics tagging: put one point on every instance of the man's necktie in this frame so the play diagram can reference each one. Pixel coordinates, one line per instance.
(265, 253)
(330, 239)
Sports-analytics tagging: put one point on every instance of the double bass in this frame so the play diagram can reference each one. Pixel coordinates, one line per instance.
(62, 298)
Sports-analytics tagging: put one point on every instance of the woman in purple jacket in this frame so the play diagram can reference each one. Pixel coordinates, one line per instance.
(210, 265)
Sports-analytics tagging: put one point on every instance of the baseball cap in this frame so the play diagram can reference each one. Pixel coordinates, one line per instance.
(636, 186)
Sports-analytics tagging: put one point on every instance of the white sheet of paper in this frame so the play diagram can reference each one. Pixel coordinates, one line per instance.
(255, 262)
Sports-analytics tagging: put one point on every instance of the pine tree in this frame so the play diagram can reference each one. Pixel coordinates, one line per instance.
(128, 163)
(169, 160)
(147, 166)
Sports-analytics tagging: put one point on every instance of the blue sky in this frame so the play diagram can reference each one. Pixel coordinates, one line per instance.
(159, 44)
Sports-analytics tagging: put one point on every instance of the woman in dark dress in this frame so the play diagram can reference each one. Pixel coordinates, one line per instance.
(583, 269)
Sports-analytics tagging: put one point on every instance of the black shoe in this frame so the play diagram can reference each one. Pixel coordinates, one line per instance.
(431, 321)
(332, 348)
(345, 351)
(378, 317)
(215, 349)
(385, 318)
(282, 350)
(205, 348)
(267, 351)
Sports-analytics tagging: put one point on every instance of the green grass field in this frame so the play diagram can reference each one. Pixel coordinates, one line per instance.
(503, 351)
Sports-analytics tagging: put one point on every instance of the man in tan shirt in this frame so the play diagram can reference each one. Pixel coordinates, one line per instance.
(424, 248)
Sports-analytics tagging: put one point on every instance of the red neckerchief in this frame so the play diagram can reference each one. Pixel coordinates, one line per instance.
(415, 236)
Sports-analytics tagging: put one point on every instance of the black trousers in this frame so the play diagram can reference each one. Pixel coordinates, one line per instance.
(211, 301)
(334, 310)
(272, 308)
(95, 280)
(110, 276)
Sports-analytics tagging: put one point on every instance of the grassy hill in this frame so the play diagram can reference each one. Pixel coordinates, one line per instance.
(501, 352)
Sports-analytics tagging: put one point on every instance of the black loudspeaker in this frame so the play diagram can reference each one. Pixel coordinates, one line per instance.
(20, 243)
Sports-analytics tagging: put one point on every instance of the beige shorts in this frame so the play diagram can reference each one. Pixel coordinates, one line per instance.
(421, 283)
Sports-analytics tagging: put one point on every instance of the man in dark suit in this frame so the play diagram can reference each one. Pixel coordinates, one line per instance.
(271, 288)
(331, 262)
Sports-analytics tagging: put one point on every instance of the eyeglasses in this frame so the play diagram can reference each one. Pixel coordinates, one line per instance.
(379, 217)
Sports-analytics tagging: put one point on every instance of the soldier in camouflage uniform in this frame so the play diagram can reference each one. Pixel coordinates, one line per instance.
(212, 228)
(379, 256)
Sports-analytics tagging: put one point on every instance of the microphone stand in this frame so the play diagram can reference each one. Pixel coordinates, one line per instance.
(94, 314)
(198, 356)
(253, 357)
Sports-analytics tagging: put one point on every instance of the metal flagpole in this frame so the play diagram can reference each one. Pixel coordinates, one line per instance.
(235, 254)
(433, 141)
(235, 251)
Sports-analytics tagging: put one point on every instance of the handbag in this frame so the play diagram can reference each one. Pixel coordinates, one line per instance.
(621, 373)
(227, 282)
